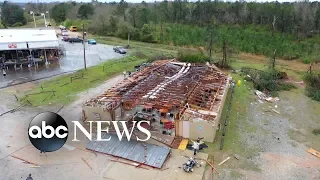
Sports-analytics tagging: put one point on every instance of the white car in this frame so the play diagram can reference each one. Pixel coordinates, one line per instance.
(62, 27)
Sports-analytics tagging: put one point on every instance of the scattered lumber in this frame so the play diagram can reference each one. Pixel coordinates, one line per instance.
(213, 166)
(314, 152)
(275, 111)
(129, 164)
(29, 162)
(224, 161)
(86, 163)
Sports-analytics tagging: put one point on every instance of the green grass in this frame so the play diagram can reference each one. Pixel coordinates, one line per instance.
(146, 48)
(238, 64)
(66, 91)
(39, 23)
(233, 144)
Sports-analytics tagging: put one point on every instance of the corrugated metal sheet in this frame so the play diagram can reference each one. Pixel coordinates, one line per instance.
(14, 39)
(13, 46)
(131, 150)
(43, 44)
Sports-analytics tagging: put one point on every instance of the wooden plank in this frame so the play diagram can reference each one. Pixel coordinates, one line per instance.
(86, 163)
(212, 166)
(183, 144)
(224, 161)
(29, 162)
(314, 152)
(131, 164)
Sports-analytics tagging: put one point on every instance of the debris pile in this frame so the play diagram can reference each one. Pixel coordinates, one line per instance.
(263, 96)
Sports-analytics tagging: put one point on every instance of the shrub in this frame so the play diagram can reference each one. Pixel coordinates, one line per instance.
(192, 56)
(267, 80)
(17, 24)
(316, 132)
(67, 23)
(312, 85)
(158, 57)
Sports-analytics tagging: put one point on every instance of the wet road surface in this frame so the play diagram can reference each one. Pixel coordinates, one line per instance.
(71, 61)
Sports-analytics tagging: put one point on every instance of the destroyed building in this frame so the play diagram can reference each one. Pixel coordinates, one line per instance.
(179, 99)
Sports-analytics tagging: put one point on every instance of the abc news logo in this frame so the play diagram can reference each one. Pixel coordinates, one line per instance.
(48, 131)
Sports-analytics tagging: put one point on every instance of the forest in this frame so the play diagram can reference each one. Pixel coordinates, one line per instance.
(290, 28)
(260, 28)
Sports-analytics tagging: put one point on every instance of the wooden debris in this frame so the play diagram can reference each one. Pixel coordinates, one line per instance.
(276, 111)
(86, 163)
(29, 162)
(213, 166)
(164, 169)
(212, 176)
(134, 164)
(224, 161)
(314, 152)
(34, 166)
(236, 156)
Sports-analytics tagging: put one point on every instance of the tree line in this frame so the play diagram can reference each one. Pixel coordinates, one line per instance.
(12, 15)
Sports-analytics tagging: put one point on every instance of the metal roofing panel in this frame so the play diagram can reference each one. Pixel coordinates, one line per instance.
(43, 44)
(131, 150)
(27, 35)
(13, 46)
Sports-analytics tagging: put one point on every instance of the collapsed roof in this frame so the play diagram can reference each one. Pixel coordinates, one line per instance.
(196, 89)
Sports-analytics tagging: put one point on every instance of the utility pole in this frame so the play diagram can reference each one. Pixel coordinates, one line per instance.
(84, 48)
(210, 46)
(34, 20)
(128, 39)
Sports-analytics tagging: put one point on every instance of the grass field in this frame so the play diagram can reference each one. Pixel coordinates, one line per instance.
(232, 142)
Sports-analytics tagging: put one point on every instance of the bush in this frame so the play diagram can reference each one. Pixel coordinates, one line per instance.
(1, 26)
(267, 80)
(17, 24)
(312, 85)
(158, 57)
(316, 132)
(123, 30)
(192, 56)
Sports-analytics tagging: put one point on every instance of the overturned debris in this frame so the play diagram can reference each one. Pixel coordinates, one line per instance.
(148, 154)
(263, 96)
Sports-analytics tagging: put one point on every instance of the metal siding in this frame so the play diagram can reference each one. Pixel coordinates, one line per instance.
(21, 45)
(43, 44)
(131, 150)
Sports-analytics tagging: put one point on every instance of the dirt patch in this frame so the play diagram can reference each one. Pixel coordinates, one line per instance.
(295, 65)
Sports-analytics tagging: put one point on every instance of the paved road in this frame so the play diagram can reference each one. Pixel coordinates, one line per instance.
(73, 60)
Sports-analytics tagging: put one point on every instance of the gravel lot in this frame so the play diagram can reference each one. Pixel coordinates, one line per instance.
(280, 140)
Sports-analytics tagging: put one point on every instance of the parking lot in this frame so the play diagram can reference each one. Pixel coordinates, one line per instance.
(71, 61)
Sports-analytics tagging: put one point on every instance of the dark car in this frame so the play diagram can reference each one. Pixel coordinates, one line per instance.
(72, 40)
(65, 38)
(120, 50)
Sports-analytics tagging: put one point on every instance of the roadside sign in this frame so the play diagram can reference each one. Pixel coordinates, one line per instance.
(12, 45)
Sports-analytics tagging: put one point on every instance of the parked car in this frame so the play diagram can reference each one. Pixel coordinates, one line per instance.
(62, 27)
(65, 38)
(120, 49)
(92, 41)
(72, 40)
(73, 28)
(64, 32)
